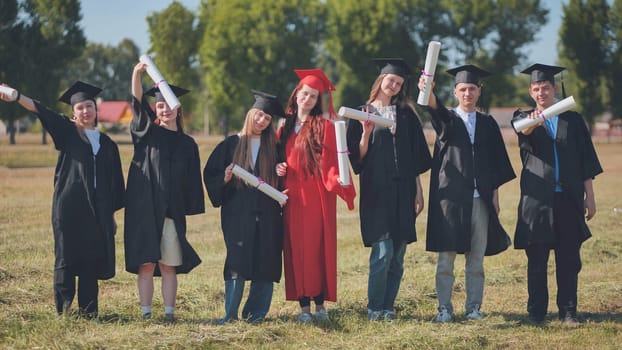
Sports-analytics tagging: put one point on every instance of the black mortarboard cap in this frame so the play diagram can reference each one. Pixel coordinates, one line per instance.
(155, 92)
(268, 103)
(78, 92)
(469, 74)
(543, 72)
(393, 66)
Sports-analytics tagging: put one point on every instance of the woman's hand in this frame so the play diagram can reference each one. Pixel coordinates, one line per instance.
(281, 169)
(137, 86)
(228, 173)
(432, 100)
(140, 67)
(5, 96)
(368, 125)
(285, 191)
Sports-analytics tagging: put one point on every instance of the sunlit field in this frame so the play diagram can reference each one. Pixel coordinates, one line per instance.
(28, 319)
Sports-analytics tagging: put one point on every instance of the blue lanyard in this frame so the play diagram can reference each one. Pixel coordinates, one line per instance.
(551, 127)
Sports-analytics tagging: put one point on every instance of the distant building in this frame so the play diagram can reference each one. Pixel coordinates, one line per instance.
(606, 127)
(114, 112)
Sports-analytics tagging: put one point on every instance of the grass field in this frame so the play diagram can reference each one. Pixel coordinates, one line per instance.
(28, 319)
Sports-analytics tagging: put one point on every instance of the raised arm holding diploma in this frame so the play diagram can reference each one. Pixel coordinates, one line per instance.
(428, 73)
(160, 83)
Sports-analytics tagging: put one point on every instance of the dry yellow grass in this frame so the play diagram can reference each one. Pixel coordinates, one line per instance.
(28, 320)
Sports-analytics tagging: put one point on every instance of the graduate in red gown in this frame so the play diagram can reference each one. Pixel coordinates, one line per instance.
(310, 171)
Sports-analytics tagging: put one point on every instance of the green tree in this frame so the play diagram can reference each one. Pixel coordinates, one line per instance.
(583, 40)
(106, 66)
(174, 40)
(255, 45)
(491, 34)
(360, 30)
(48, 38)
(614, 76)
(11, 31)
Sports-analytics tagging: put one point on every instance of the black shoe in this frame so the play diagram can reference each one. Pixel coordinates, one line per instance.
(570, 319)
(147, 316)
(536, 319)
(169, 318)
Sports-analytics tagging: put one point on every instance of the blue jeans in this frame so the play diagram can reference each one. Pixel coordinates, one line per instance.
(386, 267)
(257, 304)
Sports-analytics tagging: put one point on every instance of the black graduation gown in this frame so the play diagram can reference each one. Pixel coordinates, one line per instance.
(251, 221)
(164, 181)
(388, 177)
(455, 163)
(577, 162)
(82, 211)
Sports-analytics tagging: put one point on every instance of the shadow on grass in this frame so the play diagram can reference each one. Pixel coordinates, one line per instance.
(584, 317)
(332, 325)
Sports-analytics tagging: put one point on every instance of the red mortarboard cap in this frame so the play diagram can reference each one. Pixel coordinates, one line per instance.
(315, 78)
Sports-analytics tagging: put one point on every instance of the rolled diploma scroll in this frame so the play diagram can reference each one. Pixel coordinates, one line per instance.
(360, 115)
(260, 185)
(12, 93)
(160, 83)
(342, 152)
(428, 73)
(556, 109)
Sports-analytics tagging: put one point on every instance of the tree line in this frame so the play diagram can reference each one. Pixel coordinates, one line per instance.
(226, 48)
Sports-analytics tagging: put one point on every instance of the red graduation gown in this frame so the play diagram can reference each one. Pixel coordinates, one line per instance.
(310, 222)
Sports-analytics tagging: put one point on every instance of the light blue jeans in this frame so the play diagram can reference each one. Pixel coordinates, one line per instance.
(257, 304)
(386, 267)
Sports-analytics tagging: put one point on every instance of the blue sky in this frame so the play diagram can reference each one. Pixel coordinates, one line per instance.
(110, 21)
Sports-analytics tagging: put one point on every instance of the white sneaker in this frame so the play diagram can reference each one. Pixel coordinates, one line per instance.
(322, 315)
(443, 315)
(389, 315)
(475, 314)
(374, 315)
(305, 317)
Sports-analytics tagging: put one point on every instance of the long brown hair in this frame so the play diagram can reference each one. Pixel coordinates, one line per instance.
(308, 144)
(242, 155)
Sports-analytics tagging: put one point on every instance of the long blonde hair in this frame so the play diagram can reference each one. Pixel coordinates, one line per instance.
(266, 160)
(400, 99)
